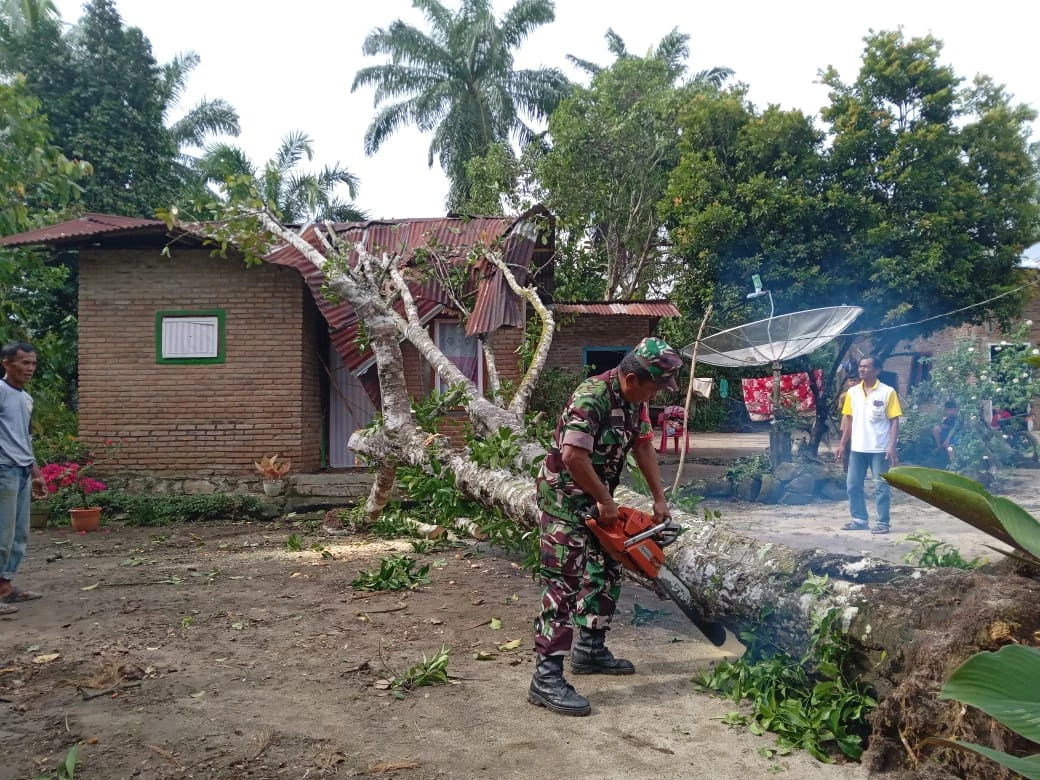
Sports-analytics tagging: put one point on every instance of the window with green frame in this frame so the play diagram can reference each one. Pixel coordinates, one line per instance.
(189, 337)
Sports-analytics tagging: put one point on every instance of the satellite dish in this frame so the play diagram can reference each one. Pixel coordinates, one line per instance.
(775, 339)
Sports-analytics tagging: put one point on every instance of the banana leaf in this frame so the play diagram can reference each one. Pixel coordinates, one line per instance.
(1005, 685)
(967, 500)
(1027, 766)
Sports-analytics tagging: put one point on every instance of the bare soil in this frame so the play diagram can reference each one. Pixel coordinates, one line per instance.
(214, 652)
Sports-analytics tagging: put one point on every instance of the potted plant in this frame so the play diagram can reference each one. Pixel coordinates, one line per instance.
(68, 485)
(273, 472)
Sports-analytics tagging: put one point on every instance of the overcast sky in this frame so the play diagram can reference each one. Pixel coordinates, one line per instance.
(289, 66)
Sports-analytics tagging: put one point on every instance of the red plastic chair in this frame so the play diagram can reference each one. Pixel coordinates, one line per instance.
(672, 422)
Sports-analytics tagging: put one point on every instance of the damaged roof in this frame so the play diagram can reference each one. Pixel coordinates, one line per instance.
(494, 304)
(89, 225)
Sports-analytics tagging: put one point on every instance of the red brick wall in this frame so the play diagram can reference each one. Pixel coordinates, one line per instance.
(575, 332)
(197, 419)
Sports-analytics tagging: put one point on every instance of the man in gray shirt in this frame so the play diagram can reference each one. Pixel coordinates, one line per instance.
(20, 479)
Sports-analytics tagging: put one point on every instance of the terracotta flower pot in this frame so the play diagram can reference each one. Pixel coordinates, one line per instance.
(85, 519)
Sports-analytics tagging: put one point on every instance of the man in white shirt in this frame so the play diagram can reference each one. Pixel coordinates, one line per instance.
(870, 417)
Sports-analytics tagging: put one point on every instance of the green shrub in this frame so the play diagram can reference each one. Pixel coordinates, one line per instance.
(754, 465)
(165, 509)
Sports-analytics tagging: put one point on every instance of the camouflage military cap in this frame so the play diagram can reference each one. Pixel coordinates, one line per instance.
(660, 360)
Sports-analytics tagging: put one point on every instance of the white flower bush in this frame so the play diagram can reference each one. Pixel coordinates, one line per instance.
(971, 375)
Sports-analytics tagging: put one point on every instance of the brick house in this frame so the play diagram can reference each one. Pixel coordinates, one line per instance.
(201, 365)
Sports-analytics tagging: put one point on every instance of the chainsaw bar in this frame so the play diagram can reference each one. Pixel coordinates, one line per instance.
(680, 594)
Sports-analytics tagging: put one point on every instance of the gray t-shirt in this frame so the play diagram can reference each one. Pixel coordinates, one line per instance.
(15, 440)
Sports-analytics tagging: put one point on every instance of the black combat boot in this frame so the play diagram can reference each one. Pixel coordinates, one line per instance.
(549, 689)
(591, 656)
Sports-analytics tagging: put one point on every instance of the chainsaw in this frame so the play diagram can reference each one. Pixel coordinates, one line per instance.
(633, 541)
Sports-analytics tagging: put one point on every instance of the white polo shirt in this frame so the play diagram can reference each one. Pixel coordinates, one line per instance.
(871, 411)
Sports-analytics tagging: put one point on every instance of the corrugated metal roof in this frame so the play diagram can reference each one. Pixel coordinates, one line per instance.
(495, 305)
(90, 224)
(629, 308)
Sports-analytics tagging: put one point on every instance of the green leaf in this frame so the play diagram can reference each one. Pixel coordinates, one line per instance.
(1028, 766)
(966, 500)
(495, 624)
(1004, 685)
(1022, 526)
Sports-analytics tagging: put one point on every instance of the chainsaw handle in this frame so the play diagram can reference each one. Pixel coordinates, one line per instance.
(648, 533)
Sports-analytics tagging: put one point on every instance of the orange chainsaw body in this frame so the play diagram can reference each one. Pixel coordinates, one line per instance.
(645, 556)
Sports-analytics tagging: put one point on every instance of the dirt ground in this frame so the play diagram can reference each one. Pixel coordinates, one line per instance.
(214, 652)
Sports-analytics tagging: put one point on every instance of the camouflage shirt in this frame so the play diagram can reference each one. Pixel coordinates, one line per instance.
(598, 419)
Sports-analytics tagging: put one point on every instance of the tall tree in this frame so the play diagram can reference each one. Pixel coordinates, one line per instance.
(192, 131)
(614, 144)
(110, 103)
(921, 203)
(748, 197)
(293, 195)
(457, 81)
(936, 185)
(38, 186)
(37, 182)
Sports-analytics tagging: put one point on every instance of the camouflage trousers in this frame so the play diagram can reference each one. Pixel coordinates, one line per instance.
(580, 582)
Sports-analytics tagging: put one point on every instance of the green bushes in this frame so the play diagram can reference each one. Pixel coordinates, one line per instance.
(165, 509)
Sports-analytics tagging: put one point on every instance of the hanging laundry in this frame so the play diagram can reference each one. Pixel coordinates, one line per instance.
(795, 394)
(724, 388)
(702, 387)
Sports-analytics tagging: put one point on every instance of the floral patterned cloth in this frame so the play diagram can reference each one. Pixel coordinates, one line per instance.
(795, 394)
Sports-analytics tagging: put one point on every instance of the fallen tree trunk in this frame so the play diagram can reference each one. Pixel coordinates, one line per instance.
(908, 628)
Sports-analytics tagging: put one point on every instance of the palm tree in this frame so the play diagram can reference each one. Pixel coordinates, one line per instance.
(458, 82)
(192, 131)
(293, 196)
(673, 50)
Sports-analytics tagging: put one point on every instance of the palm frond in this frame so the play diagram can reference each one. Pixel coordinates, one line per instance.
(539, 92)
(173, 77)
(523, 18)
(208, 117)
(293, 148)
(339, 211)
(714, 77)
(615, 45)
(386, 121)
(401, 81)
(439, 16)
(407, 45)
(221, 161)
(674, 50)
(328, 178)
(589, 67)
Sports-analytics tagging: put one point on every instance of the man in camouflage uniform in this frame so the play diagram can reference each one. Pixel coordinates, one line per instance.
(605, 419)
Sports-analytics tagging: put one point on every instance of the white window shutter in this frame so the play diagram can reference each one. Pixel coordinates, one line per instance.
(190, 337)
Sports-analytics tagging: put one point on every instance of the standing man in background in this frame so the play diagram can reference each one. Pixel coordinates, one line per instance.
(870, 415)
(20, 479)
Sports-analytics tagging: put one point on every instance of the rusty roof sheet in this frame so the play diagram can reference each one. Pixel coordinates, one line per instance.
(495, 305)
(623, 308)
(89, 225)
